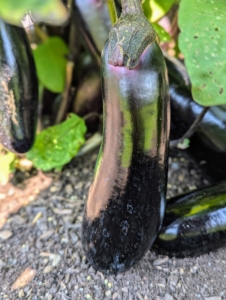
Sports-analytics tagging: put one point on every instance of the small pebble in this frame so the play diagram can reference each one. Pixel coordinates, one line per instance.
(47, 269)
(139, 296)
(69, 189)
(213, 298)
(168, 297)
(5, 234)
(53, 289)
(160, 261)
(21, 293)
(108, 293)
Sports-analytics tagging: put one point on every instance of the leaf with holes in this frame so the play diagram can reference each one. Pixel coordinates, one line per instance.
(50, 60)
(57, 145)
(203, 43)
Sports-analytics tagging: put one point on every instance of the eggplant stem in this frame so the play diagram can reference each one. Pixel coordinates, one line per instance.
(72, 60)
(131, 7)
(112, 11)
(90, 115)
(65, 101)
(40, 33)
(191, 130)
(91, 46)
(130, 36)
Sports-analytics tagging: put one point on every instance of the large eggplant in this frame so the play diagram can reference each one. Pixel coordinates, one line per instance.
(19, 89)
(194, 223)
(126, 201)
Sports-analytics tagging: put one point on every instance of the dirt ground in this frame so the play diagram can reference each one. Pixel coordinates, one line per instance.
(41, 255)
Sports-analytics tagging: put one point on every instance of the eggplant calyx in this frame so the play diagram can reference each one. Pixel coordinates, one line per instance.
(129, 37)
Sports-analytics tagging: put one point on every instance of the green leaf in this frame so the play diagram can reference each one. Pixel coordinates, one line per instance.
(13, 11)
(203, 43)
(50, 60)
(184, 145)
(157, 8)
(147, 9)
(163, 35)
(57, 145)
(6, 161)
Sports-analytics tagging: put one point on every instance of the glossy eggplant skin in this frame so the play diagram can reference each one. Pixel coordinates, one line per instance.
(194, 223)
(19, 90)
(94, 20)
(126, 201)
(185, 110)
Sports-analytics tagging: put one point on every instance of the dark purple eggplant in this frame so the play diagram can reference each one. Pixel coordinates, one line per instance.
(19, 89)
(194, 223)
(211, 130)
(126, 201)
(208, 144)
(95, 22)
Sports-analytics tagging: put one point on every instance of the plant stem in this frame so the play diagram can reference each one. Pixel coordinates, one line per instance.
(64, 104)
(40, 105)
(191, 130)
(112, 11)
(74, 48)
(40, 33)
(131, 6)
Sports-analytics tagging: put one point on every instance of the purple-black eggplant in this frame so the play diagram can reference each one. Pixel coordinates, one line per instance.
(126, 201)
(194, 223)
(209, 141)
(19, 89)
(94, 22)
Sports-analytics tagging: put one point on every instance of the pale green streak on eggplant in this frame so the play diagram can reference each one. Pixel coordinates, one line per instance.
(145, 114)
(127, 146)
(201, 207)
(148, 114)
(167, 237)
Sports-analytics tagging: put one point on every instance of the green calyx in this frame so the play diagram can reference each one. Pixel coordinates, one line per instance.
(130, 36)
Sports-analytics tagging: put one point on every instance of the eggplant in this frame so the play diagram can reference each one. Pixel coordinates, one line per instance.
(208, 144)
(194, 223)
(19, 89)
(94, 22)
(185, 110)
(126, 201)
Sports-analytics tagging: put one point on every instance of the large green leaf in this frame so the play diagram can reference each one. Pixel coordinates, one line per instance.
(57, 145)
(50, 60)
(203, 43)
(13, 11)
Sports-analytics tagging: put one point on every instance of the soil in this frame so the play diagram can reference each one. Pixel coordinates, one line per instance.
(43, 239)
